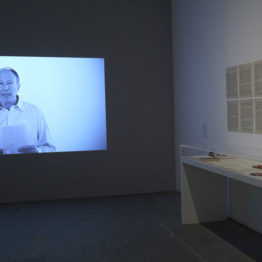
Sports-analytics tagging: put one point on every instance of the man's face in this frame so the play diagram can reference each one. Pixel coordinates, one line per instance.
(9, 86)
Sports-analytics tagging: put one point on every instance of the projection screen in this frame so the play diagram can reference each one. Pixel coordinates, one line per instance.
(52, 104)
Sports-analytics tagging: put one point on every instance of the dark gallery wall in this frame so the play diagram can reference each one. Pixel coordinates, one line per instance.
(135, 39)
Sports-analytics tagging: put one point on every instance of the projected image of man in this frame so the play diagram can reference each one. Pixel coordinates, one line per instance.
(23, 128)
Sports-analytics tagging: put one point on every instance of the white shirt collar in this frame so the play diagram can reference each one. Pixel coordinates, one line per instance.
(20, 104)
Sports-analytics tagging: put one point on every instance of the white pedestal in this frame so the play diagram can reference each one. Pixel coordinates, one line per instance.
(204, 196)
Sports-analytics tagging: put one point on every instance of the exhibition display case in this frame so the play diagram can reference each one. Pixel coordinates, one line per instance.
(217, 185)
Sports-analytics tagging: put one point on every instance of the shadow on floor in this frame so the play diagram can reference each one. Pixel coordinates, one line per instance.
(237, 235)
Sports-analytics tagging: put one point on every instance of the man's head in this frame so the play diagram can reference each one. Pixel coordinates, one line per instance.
(9, 86)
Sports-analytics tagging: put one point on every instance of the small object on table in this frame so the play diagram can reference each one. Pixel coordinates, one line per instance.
(213, 154)
(258, 166)
(219, 155)
(255, 174)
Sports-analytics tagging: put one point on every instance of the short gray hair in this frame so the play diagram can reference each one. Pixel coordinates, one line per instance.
(11, 70)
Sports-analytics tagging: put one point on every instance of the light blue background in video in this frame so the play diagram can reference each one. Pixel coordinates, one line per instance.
(71, 94)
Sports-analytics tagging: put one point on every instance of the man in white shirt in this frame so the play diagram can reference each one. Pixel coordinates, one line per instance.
(23, 128)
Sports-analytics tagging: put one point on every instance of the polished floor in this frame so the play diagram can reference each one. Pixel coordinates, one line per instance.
(135, 228)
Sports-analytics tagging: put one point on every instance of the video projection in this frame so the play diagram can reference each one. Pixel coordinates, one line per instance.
(52, 104)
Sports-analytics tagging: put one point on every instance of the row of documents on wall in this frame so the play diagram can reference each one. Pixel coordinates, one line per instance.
(244, 98)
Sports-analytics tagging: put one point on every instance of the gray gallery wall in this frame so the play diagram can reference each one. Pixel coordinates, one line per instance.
(135, 39)
(199, 81)
(208, 37)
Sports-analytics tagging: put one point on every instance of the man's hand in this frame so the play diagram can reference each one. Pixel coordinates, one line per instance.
(28, 149)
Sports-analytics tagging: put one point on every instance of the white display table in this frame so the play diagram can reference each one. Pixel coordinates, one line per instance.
(204, 194)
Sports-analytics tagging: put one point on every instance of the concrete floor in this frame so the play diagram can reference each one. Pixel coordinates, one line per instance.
(135, 228)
